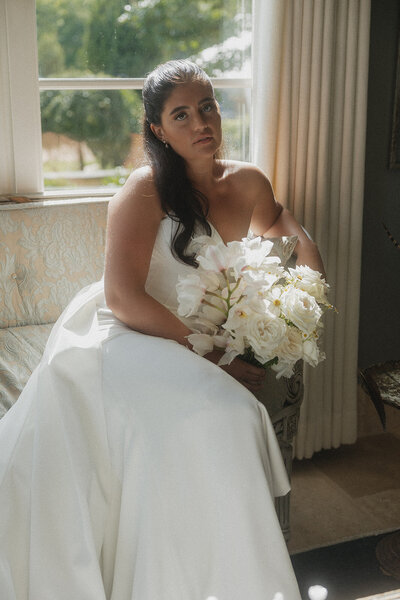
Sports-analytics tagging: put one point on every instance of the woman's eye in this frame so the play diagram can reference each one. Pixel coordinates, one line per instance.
(180, 116)
(208, 107)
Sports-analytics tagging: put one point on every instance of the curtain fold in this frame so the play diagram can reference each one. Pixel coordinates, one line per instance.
(310, 72)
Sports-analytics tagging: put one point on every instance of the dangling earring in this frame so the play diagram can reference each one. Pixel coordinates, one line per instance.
(165, 144)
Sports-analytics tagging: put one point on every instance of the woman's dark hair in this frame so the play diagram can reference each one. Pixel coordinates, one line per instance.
(179, 199)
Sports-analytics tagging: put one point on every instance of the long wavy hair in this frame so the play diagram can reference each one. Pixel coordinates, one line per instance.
(179, 199)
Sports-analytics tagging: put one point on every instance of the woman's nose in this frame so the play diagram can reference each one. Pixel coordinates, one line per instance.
(200, 121)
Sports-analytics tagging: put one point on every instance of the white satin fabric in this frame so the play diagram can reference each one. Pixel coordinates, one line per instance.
(133, 469)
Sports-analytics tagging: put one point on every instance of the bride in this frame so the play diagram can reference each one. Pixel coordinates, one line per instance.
(131, 468)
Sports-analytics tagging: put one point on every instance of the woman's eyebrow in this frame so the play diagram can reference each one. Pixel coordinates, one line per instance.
(178, 108)
(208, 99)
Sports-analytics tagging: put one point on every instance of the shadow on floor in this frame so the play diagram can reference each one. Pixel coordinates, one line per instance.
(348, 571)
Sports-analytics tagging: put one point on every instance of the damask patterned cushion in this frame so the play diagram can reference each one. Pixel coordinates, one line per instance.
(47, 254)
(20, 351)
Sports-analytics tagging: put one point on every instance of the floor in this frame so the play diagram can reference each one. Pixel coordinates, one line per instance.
(351, 492)
(349, 571)
(346, 494)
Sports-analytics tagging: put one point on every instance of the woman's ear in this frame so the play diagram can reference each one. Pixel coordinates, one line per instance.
(157, 130)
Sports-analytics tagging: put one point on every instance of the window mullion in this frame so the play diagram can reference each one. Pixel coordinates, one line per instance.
(21, 144)
(115, 83)
(7, 176)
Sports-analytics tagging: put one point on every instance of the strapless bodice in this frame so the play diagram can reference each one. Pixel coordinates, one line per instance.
(165, 269)
(164, 272)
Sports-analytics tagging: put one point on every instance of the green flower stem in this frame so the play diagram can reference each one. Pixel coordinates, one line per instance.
(224, 273)
(239, 299)
(237, 285)
(213, 306)
(215, 295)
(227, 300)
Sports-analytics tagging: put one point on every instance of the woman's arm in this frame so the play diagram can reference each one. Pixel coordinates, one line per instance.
(133, 220)
(270, 219)
(306, 250)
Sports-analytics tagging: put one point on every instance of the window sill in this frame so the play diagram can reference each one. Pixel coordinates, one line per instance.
(83, 194)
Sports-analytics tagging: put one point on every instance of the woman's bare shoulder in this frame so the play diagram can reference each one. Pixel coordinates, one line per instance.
(142, 174)
(140, 182)
(138, 193)
(242, 170)
(246, 176)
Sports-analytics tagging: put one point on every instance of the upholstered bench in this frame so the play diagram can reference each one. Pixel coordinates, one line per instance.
(48, 252)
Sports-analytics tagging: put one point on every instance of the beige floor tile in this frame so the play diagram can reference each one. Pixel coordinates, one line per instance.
(385, 506)
(322, 513)
(368, 467)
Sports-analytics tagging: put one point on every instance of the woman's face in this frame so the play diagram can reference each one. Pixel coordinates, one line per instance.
(191, 121)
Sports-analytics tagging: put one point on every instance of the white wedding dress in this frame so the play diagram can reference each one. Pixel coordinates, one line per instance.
(133, 469)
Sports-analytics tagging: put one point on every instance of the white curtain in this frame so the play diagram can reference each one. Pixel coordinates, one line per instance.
(310, 71)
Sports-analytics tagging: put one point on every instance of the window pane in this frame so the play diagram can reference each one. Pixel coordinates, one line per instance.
(117, 38)
(90, 138)
(93, 138)
(235, 110)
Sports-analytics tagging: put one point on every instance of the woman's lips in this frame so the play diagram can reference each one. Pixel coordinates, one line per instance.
(204, 140)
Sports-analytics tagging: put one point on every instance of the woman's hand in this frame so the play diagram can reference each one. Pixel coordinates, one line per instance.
(248, 375)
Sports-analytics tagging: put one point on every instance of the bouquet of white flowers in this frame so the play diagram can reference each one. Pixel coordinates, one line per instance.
(243, 301)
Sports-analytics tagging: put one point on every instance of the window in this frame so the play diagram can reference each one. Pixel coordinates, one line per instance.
(72, 72)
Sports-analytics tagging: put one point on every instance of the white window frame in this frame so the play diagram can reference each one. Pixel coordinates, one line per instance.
(21, 171)
(20, 127)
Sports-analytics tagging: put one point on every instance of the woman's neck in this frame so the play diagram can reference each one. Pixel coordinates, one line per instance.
(204, 175)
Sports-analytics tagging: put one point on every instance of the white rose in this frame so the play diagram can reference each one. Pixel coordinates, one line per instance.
(310, 281)
(311, 352)
(301, 309)
(264, 333)
(291, 348)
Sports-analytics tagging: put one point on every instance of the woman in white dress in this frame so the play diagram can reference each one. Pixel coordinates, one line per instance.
(132, 468)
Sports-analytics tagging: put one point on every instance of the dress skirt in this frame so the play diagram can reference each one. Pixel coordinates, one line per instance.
(133, 469)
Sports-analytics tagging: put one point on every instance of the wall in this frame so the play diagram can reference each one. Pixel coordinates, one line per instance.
(379, 337)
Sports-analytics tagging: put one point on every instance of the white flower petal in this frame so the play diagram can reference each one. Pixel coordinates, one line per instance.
(311, 352)
(202, 343)
(283, 369)
(190, 292)
(301, 309)
(311, 282)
